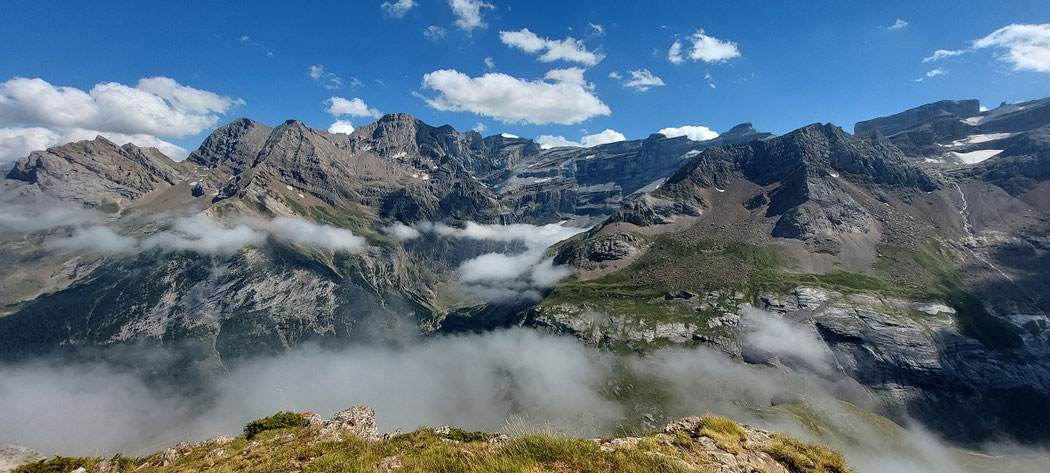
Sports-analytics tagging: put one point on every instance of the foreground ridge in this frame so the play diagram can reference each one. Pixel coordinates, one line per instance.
(349, 441)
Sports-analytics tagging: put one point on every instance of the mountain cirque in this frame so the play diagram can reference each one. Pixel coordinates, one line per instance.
(915, 249)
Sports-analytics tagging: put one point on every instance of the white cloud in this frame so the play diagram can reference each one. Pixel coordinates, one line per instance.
(480, 127)
(201, 234)
(36, 115)
(355, 107)
(1024, 47)
(899, 24)
(468, 13)
(551, 141)
(157, 106)
(433, 32)
(327, 80)
(674, 54)
(570, 75)
(693, 132)
(941, 54)
(16, 143)
(399, 8)
(641, 80)
(932, 73)
(710, 80)
(510, 100)
(790, 342)
(312, 235)
(402, 232)
(607, 136)
(615, 75)
(30, 218)
(599, 30)
(568, 49)
(96, 239)
(705, 48)
(341, 126)
(504, 276)
(936, 72)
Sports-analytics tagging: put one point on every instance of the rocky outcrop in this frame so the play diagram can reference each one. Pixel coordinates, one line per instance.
(12, 456)
(97, 172)
(911, 118)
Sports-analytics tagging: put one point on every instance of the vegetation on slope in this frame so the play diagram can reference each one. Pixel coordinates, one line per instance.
(708, 443)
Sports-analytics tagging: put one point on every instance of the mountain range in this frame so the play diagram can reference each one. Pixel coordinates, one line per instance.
(915, 249)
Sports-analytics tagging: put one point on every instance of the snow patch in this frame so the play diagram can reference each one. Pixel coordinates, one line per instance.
(720, 190)
(974, 157)
(690, 153)
(508, 135)
(981, 138)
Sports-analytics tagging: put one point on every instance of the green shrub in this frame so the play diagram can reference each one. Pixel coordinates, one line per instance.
(461, 435)
(57, 465)
(801, 457)
(280, 420)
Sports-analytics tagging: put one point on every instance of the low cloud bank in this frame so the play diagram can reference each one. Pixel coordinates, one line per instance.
(200, 233)
(501, 277)
(474, 381)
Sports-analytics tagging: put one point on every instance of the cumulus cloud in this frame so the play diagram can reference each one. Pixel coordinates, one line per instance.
(399, 8)
(510, 100)
(694, 132)
(705, 48)
(1023, 47)
(433, 32)
(94, 239)
(468, 13)
(568, 49)
(327, 79)
(570, 75)
(641, 80)
(607, 136)
(355, 107)
(899, 24)
(551, 141)
(156, 106)
(35, 114)
(341, 126)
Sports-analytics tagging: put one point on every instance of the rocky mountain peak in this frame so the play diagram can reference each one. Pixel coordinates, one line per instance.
(94, 171)
(898, 122)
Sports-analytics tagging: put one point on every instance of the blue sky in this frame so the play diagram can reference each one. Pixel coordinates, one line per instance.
(795, 62)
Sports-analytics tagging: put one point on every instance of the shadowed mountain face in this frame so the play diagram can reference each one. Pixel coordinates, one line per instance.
(919, 280)
(916, 266)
